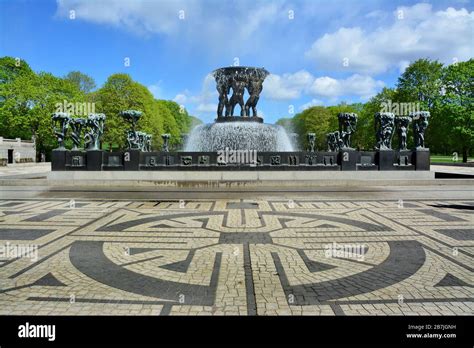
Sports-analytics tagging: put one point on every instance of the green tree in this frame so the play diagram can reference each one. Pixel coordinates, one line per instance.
(11, 68)
(287, 123)
(170, 125)
(364, 136)
(193, 122)
(457, 106)
(180, 114)
(84, 82)
(27, 103)
(181, 122)
(421, 82)
(120, 93)
(316, 119)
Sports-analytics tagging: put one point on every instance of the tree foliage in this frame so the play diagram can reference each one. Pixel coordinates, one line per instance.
(11, 68)
(27, 100)
(446, 91)
(120, 92)
(421, 81)
(313, 120)
(84, 82)
(457, 105)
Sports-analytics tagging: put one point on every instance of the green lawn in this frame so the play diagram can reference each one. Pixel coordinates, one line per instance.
(448, 159)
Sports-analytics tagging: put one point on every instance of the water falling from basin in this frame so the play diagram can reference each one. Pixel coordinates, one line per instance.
(245, 132)
(238, 136)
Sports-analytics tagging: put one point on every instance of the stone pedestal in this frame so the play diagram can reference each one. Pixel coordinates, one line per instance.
(366, 161)
(58, 160)
(421, 159)
(386, 159)
(348, 159)
(94, 159)
(76, 159)
(404, 158)
(131, 160)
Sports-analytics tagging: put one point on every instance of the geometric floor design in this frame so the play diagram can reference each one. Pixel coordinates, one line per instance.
(237, 257)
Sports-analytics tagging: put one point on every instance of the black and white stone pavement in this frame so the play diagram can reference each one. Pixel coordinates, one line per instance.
(259, 256)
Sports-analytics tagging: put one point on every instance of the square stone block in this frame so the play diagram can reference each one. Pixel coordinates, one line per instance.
(386, 159)
(348, 159)
(58, 160)
(131, 160)
(422, 159)
(76, 160)
(94, 160)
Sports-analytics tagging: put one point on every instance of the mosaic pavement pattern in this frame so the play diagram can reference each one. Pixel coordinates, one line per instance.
(237, 257)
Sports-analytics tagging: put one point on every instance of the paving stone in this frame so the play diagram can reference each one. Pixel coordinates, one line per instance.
(227, 257)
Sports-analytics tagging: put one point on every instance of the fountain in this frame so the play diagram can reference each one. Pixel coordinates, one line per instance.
(244, 132)
(241, 142)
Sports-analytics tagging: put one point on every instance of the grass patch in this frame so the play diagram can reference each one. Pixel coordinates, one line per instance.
(447, 159)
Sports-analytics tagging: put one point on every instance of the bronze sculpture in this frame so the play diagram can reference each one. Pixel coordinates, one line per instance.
(136, 140)
(95, 122)
(402, 127)
(255, 87)
(77, 124)
(62, 119)
(166, 139)
(420, 123)
(238, 79)
(238, 88)
(223, 88)
(347, 126)
(311, 141)
(384, 126)
(147, 143)
(333, 141)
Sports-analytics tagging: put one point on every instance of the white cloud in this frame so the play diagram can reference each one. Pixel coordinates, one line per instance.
(326, 86)
(218, 25)
(287, 86)
(208, 107)
(156, 90)
(358, 85)
(313, 102)
(292, 86)
(402, 65)
(414, 32)
(208, 93)
(141, 17)
(203, 103)
(208, 90)
(378, 14)
(259, 16)
(181, 98)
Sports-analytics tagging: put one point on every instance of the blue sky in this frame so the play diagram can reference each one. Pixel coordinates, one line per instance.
(319, 52)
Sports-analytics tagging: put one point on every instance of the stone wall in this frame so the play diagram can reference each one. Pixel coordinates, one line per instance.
(21, 151)
(344, 160)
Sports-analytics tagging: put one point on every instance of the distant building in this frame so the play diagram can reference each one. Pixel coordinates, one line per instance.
(17, 151)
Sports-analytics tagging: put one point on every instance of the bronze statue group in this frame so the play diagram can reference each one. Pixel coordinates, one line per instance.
(238, 80)
(386, 123)
(93, 126)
